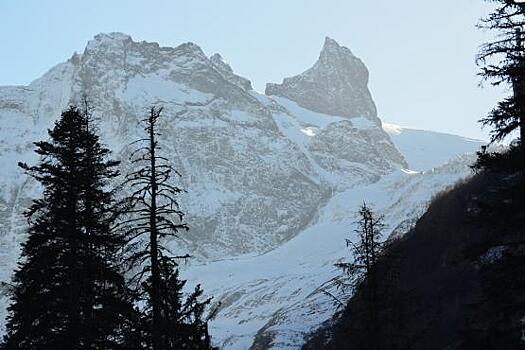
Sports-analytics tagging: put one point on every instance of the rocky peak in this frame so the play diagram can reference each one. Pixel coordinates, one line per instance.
(107, 47)
(190, 48)
(219, 61)
(332, 51)
(227, 72)
(108, 41)
(337, 84)
(112, 61)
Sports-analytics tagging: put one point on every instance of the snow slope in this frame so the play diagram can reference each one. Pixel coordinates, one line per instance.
(424, 150)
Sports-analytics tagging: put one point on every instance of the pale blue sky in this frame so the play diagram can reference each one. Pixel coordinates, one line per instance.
(420, 53)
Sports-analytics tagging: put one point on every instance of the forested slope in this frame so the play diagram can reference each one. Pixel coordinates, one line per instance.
(458, 279)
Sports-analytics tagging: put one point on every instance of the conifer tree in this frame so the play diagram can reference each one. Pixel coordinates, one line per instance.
(68, 292)
(171, 320)
(503, 62)
(495, 319)
(361, 272)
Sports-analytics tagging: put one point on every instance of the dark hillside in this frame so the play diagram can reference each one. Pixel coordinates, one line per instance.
(459, 279)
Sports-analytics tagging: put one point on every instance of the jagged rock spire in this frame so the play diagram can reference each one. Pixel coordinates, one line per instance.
(227, 72)
(336, 84)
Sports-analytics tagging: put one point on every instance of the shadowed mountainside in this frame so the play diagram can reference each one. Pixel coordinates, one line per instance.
(455, 253)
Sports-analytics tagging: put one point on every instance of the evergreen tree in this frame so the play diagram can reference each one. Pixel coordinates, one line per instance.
(495, 320)
(362, 271)
(503, 62)
(170, 321)
(68, 292)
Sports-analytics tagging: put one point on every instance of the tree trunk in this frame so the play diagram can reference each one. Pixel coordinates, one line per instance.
(518, 89)
(155, 278)
(519, 93)
(522, 133)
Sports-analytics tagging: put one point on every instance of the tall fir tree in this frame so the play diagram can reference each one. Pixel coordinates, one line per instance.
(68, 291)
(361, 272)
(503, 62)
(495, 320)
(171, 320)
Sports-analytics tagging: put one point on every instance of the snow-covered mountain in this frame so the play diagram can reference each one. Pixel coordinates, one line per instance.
(272, 179)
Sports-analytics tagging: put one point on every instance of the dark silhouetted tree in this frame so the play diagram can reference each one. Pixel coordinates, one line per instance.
(495, 320)
(171, 320)
(361, 272)
(503, 62)
(68, 291)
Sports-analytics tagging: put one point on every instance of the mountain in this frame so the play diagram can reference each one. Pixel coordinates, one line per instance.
(272, 180)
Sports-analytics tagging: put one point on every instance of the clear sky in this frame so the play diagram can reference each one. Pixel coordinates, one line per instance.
(420, 53)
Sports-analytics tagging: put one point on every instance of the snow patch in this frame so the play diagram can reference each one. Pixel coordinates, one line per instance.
(306, 116)
(392, 129)
(154, 89)
(309, 131)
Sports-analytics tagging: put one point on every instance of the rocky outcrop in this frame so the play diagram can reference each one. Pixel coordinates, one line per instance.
(335, 85)
(227, 72)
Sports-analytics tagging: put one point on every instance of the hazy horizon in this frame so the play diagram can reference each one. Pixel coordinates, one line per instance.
(420, 56)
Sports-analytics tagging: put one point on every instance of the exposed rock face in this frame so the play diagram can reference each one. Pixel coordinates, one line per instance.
(351, 144)
(335, 85)
(227, 72)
